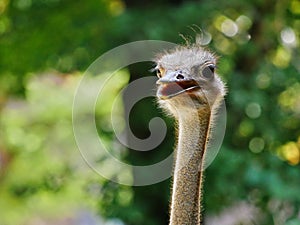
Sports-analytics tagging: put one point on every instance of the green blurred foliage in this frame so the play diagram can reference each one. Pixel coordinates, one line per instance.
(41, 172)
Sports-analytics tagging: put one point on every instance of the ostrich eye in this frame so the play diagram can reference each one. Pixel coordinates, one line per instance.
(158, 73)
(208, 71)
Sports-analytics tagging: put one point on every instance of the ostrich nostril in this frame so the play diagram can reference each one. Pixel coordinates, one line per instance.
(179, 77)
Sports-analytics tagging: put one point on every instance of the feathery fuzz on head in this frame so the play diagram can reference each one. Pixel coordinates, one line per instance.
(184, 57)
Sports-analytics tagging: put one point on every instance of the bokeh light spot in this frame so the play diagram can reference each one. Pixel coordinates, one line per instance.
(243, 22)
(218, 21)
(229, 28)
(116, 7)
(290, 152)
(257, 144)
(253, 110)
(246, 128)
(225, 46)
(205, 38)
(288, 37)
(295, 6)
(263, 81)
(281, 58)
(290, 98)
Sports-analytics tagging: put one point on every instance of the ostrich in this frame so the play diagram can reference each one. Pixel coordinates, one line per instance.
(189, 89)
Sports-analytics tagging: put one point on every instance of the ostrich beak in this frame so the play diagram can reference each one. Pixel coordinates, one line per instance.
(171, 89)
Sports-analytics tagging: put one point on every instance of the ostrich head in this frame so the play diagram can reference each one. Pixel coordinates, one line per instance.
(188, 79)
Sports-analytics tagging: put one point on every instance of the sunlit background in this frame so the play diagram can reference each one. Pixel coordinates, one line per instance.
(45, 47)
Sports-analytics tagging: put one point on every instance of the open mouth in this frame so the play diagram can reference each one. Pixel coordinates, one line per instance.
(169, 90)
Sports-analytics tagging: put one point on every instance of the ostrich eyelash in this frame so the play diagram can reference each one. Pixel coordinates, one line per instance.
(155, 69)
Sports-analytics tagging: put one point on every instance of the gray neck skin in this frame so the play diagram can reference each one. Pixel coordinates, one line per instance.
(193, 133)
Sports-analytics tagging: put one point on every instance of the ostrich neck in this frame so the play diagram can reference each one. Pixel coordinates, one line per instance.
(193, 130)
